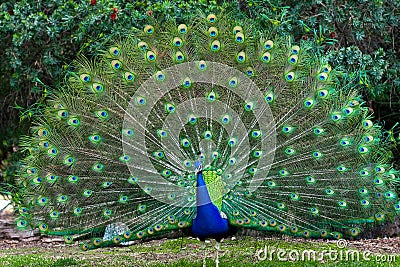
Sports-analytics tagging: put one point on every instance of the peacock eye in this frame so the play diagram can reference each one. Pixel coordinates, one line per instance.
(148, 29)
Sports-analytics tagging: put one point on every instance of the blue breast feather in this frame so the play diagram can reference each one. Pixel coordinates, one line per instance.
(208, 222)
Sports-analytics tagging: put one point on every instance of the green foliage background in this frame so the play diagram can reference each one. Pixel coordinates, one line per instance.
(40, 38)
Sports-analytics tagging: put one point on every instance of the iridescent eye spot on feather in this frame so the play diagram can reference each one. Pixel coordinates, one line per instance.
(21, 224)
(364, 202)
(257, 153)
(363, 173)
(107, 213)
(160, 76)
(345, 142)
(266, 57)
(37, 181)
(102, 114)
(233, 82)
(363, 150)
(336, 117)
(341, 168)
(379, 169)
(187, 83)
(322, 77)
(127, 132)
(62, 199)
(124, 158)
(317, 155)
(379, 216)
(368, 138)
(202, 65)
(51, 178)
(215, 46)
(68, 160)
(289, 151)
(309, 103)
(213, 32)
(148, 29)
(97, 242)
(192, 119)
(77, 211)
(239, 38)
(289, 77)
(106, 184)
(85, 77)
(322, 93)
(185, 142)
(150, 56)
(73, 179)
(256, 134)
(249, 106)
(318, 131)
(329, 192)
(237, 29)
(295, 49)
(132, 180)
(367, 124)
(293, 59)
(326, 68)
(241, 57)
(314, 211)
(129, 77)
(211, 96)
(52, 152)
(98, 167)
(182, 29)
(74, 121)
(310, 180)
(179, 57)
(269, 97)
(158, 154)
(42, 132)
(250, 72)
(287, 129)
(389, 195)
(232, 161)
(208, 135)
(177, 42)
(116, 64)
(169, 108)
(363, 191)
(43, 228)
(54, 215)
(226, 119)
(62, 114)
(143, 46)
(87, 193)
(97, 88)
(268, 44)
(211, 18)
(114, 51)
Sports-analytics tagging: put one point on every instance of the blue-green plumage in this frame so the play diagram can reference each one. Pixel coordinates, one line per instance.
(208, 222)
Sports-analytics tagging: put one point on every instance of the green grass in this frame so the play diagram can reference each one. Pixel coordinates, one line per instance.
(186, 252)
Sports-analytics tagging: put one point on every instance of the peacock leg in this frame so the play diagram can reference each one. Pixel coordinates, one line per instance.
(203, 246)
(217, 247)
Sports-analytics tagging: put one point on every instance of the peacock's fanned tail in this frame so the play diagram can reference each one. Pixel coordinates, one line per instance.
(286, 146)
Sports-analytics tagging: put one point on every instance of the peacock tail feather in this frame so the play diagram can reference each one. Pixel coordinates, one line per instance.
(286, 146)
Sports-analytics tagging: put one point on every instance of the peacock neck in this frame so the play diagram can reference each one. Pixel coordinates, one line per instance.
(203, 197)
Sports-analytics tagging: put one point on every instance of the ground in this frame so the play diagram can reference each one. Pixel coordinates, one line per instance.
(239, 251)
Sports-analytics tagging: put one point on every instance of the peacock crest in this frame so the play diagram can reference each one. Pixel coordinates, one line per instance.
(283, 146)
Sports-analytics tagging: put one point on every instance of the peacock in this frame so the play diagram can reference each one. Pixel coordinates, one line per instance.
(204, 128)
